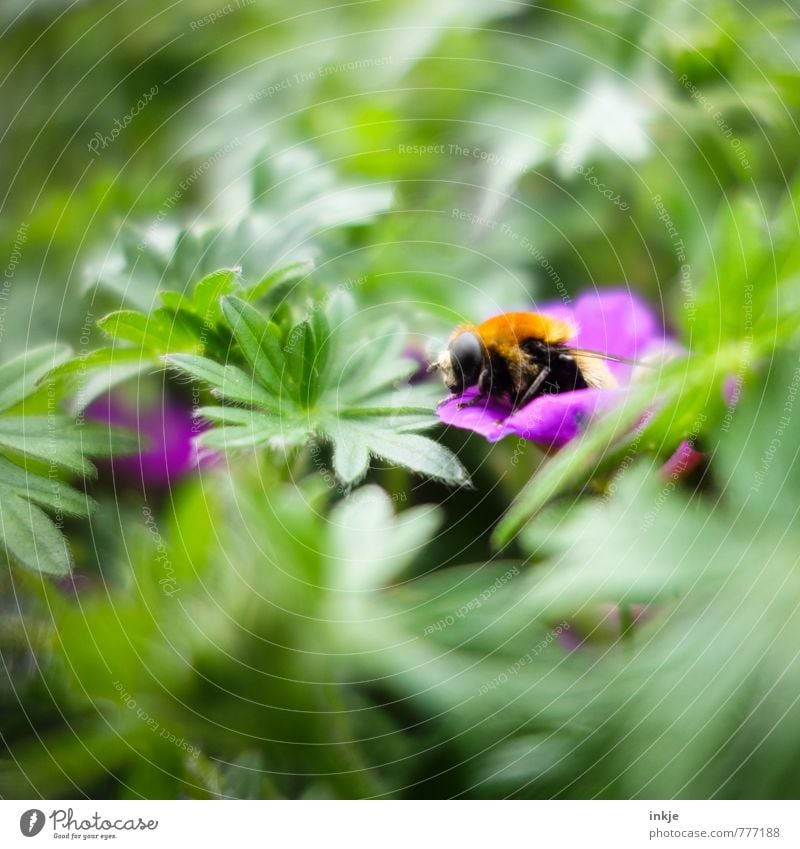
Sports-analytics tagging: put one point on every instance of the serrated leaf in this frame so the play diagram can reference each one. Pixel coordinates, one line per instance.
(246, 428)
(47, 492)
(371, 368)
(19, 377)
(149, 332)
(293, 213)
(322, 351)
(210, 289)
(87, 377)
(394, 418)
(30, 537)
(99, 440)
(58, 440)
(260, 341)
(55, 441)
(183, 325)
(261, 431)
(342, 415)
(350, 455)
(174, 301)
(229, 415)
(419, 454)
(45, 439)
(301, 351)
(227, 381)
(282, 279)
(189, 332)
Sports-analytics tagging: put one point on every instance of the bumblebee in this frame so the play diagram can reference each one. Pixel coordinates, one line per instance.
(517, 356)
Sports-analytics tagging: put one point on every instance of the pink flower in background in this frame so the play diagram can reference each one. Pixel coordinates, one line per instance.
(167, 431)
(683, 462)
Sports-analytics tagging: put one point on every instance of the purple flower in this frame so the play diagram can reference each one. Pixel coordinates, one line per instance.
(167, 430)
(613, 322)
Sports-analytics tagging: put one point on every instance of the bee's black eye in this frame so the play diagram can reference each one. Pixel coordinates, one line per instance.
(466, 356)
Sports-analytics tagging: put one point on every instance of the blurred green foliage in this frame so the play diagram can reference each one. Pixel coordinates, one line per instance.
(205, 186)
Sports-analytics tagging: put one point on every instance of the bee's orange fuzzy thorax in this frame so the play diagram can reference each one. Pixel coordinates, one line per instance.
(511, 328)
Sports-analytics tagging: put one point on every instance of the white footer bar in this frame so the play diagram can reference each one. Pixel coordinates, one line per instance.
(398, 825)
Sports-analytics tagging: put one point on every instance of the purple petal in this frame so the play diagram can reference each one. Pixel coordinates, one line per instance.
(486, 417)
(554, 420)
(167, 430)
(617, 322)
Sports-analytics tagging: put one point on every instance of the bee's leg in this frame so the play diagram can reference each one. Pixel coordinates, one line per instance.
(451, 397)
(485, 382)
(484, 390)
(531, 391)
(471, 403)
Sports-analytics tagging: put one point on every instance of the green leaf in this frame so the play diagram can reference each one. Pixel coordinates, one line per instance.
(183, 325)
(575, 464)
(765, 477)
(370, 367)
(20, 376)
(262, 431)
(84, 378)
(247, 428)
(232, 415)
(57, 440)
(370, 546)
(750, 285)
(323, 345)
(48, 439)
(149, 332)
(175, 301)
(307, 367)
(303, 207)
(350, 455)
(31, 538)
(260, 341)
(718, 571)
(210, 289)
(413, 451)
(47, 492)
(280, 281)
(228, 382)
(301, 351)
(419, 454)
(728, 289)
(99, 440)
(54, 441)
